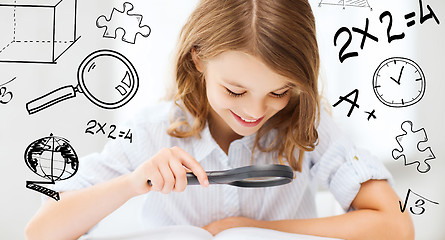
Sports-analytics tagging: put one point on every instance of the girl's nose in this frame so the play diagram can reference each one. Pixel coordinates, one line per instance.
(255, 110)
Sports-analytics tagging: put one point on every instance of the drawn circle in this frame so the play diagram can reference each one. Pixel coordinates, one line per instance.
(108, 79)
(52, 158)
(399, 82)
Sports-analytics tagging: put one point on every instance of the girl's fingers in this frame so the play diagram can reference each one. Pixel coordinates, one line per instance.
(189, 162)
(157, 181)
(168, 170)
(167, 175)
(180, 176)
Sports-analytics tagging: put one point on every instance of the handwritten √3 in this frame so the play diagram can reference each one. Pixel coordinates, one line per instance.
(418, 208)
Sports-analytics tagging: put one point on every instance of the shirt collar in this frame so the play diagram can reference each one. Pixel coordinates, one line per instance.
(206, 144)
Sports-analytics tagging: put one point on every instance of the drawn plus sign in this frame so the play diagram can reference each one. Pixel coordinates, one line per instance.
(371, 114)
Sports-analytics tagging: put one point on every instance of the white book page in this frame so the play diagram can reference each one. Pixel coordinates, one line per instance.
(197, 233)
(250, 233)
(161, 233)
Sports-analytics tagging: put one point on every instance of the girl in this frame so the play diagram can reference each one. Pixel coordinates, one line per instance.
(246, 92)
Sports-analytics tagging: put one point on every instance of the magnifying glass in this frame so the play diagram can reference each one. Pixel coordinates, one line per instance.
(107, 78)
(254, 176)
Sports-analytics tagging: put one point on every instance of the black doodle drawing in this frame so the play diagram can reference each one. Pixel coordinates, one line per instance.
(412, 139)
(348, 98)
(129, 23)
(352, 102)
(101, 128)
(418, 208)
(51, 158)
(5, 95)
(399, 82)
(391, 34)
(346, 3)
(116, 91)
(42, 38)
(423, 18)
(365, 34)
(371, 115)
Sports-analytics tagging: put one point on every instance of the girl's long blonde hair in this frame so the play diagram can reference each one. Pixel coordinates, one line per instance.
(279, 32)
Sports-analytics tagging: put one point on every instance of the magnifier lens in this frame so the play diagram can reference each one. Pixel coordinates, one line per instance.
(107, 79)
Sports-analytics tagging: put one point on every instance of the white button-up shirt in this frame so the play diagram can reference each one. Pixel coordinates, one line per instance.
(335, 164)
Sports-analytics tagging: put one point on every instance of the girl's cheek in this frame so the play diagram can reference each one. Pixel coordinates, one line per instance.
(278, 104)
(220, 99)
(228, 101)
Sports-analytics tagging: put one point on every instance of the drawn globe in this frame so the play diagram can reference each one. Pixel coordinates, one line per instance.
(52, 158)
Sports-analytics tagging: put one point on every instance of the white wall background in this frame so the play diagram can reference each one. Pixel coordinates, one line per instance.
(152, 58)
(423, 43)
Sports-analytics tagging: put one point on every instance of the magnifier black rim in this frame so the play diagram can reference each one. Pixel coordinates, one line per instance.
(237, 176)
(271, 183)
(120, 57)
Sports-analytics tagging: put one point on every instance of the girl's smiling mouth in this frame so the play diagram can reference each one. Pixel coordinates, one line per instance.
(247, 122)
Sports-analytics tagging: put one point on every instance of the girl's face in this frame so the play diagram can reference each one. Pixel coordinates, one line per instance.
(242, 91)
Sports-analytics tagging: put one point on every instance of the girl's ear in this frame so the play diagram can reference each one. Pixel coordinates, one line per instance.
(197, 61)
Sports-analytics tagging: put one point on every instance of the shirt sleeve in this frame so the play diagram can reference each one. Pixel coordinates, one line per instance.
(340, 166)
(97, 167)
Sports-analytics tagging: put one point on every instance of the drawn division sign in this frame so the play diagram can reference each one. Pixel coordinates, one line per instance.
(36, 31)
(5, 95)
(51, 158)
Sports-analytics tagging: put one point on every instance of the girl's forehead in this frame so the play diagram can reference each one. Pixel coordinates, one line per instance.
(241, 69)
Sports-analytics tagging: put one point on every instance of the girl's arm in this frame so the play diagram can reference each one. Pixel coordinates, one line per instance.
(377, 216)
(79, 210)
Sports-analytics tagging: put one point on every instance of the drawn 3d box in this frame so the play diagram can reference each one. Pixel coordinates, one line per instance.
(36, 31)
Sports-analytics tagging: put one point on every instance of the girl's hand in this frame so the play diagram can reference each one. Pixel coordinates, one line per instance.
(167, 172)
(231, 222)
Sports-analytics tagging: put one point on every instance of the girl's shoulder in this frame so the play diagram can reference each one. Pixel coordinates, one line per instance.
(155, 112)
(152, 124)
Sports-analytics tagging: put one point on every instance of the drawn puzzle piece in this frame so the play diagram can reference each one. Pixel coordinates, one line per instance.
(412, 139)
(128, 23)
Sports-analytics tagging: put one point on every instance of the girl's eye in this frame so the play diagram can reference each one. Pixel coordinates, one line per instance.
(281, 94)
(233, 94)
(275, 95)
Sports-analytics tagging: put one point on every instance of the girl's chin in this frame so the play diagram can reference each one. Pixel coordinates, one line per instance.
(244, 131)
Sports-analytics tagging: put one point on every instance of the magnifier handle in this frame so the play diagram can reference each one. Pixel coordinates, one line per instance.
(215, 177)
(50, 99)
(193, 180)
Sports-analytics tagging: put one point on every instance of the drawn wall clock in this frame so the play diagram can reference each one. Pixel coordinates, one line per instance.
(399, 82)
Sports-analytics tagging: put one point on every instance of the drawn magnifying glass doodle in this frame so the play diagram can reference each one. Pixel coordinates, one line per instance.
(119, 88)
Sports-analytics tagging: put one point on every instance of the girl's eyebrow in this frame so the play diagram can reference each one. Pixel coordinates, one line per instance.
(288, 85)
(233, 83)
(241, 86)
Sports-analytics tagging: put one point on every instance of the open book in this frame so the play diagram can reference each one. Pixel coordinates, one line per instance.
(197, 233)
